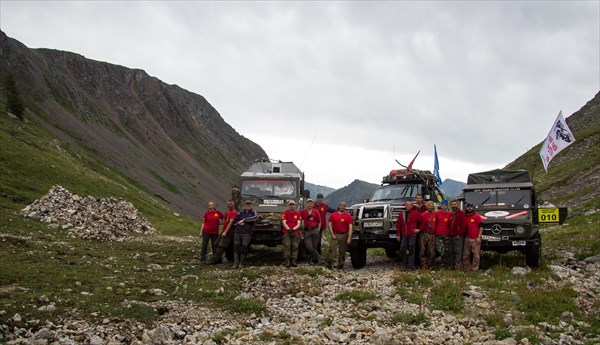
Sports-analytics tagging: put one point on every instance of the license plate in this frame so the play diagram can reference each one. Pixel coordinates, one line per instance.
(518, 243)
(372, 224)
(490, 238)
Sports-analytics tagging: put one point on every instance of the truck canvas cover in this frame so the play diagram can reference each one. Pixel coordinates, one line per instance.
(499, 176)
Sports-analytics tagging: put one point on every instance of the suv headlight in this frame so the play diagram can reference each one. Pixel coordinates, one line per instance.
(520, 230)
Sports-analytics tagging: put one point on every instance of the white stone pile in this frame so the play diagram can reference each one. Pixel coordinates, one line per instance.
(88, 217)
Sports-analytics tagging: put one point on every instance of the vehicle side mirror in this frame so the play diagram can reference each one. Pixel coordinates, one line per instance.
(366, 201)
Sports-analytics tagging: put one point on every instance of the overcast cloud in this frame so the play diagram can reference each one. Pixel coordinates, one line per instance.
(369, 82)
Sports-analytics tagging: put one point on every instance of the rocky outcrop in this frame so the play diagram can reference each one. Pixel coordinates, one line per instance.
(88, 217)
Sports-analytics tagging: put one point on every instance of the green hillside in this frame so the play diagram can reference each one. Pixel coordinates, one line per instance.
(32, 161)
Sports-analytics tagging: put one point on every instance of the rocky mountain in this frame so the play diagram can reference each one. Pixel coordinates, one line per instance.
(452, 188)
(318, 189)
(355, 192)
(573, 176)
(169, 140)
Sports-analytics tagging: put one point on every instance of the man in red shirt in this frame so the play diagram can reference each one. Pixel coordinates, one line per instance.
(457, 229)
(340, 228)
(312, 231)
(290, 221)
(427, 238)
(226, 236)
(472, 247)
(210, 229)
(323, 209)
(406, 232)
(442, 230)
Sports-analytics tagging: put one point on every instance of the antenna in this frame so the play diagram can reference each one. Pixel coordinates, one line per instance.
(307, 150)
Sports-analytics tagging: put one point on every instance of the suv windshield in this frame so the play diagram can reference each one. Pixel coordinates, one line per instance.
(398, 192)
(511, 198)
(262, 188)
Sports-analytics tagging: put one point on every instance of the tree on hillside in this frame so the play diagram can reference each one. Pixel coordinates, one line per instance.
(14, 103)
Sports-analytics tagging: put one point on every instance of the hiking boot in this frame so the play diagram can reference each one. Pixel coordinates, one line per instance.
(214, 261)
(287, 262)
(294, 263)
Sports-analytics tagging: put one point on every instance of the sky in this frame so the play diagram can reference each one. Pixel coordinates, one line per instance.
(345, 88)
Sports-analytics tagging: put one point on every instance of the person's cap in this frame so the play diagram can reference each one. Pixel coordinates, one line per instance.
(309, 200)
(291, 202)
(469, 204)
(444, 202)
(248, 202)
(319, 195)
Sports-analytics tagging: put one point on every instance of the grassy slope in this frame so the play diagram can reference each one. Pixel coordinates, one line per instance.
(31, 163)
(580, 233)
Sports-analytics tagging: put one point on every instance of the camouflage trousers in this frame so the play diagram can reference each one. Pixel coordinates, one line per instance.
(471, 254)
(441, 248)
(427, 249)
(291, 243)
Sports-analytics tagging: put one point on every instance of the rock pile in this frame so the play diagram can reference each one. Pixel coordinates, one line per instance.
(87, 217)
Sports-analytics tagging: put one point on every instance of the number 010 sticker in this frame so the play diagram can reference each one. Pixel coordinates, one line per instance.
(548, 215)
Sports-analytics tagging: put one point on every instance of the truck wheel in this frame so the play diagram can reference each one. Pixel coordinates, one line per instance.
(533, 254)
(229, 252)
(358, 256)
(391, 251)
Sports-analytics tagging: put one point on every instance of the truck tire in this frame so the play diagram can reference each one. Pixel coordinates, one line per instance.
(391, 251)
(358, 255)
(533, 254)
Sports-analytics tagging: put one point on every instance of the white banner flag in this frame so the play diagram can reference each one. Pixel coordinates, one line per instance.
(560, 137)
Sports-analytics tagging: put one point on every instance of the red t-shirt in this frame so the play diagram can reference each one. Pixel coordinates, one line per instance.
(340, 222)
(428, 221)
(211, 221)
(407, 228)
(314, 220)
(473, 223)
(229, 217)
(322, 208)
(458, 223)
(441, 224)
(292, 219)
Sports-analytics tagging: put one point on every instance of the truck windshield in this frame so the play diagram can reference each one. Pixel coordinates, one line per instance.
(398, 192)
(511, 198)
(273, 188)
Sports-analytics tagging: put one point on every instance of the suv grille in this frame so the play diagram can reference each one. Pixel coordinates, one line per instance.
(371, 213)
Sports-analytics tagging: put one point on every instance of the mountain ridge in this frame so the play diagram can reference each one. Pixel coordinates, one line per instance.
(171, 140)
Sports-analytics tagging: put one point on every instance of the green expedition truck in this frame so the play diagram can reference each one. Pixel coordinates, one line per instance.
(270, 185)
(506, 201)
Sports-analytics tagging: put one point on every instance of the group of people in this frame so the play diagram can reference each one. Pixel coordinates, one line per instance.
(454, 233)
(237, 227)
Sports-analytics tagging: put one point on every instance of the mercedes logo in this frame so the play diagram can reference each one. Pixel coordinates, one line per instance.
(496, 229)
